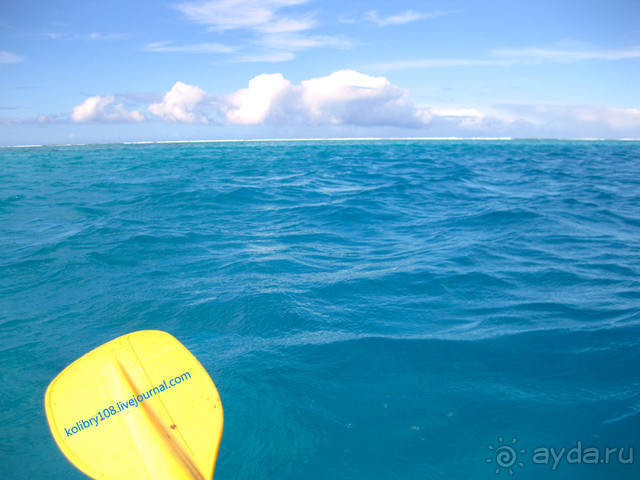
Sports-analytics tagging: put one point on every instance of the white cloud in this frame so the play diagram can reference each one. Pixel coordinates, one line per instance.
(351, 97)
(272, 27)
(263, 98)
(193, 48)
(353, 101)
(345, 97)
(103, 109)
(233, 14)
(8, 57)
(400, 18)
(180, 104)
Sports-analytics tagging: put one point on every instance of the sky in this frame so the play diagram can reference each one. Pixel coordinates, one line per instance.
(93, 72)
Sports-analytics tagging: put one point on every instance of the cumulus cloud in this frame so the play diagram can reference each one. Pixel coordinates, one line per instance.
(104, 109)
(345, 97)
(180, 104)
(265, 96)
(360, 102)
(355, 98)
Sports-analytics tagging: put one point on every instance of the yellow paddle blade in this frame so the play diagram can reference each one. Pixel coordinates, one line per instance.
(138, 407)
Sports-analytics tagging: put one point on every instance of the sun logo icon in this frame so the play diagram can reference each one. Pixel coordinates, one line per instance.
(505, 456)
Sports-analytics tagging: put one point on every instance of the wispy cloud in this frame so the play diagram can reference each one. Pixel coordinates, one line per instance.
(286, 25)
(12, 121)
(239, 14)
(400, 18)
(438, 63)
(280, 47)
(267, 57)
(557, 116)
(193, 48)
(85, 36)
(57, 35)
(274, 31)
(514, 57)
(106, 36)
(295, 41)
(47, 119)
(39, 120)
(534, 54)
(347, 20)
(8, 57)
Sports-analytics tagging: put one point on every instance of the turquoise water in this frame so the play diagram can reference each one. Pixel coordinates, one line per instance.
(368, 310)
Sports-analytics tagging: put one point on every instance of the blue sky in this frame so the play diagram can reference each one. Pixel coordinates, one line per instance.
(87, 71)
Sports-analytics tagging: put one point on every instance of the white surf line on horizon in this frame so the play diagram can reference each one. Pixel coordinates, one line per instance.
(22, 146)
(332, 139)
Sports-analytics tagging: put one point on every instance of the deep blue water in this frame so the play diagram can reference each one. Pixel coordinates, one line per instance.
(367, 310)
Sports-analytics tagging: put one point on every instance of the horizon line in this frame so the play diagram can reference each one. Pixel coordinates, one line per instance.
(328, 139)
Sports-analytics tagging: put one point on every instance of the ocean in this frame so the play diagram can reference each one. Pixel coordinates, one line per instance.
(367, 309)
